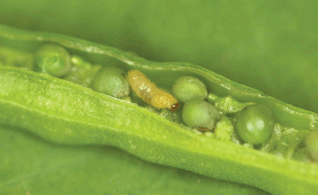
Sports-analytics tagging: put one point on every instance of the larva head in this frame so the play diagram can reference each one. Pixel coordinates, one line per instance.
(174, 107)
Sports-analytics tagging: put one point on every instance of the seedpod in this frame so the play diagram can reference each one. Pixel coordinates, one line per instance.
(66, 113)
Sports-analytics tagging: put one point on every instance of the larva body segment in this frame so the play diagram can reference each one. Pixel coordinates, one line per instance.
(149, 92)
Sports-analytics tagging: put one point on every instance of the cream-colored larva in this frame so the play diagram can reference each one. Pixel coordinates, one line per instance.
(149, 92)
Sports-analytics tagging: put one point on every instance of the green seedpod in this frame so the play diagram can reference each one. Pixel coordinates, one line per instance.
(52, 59)
(188, 88)
(111, 81)
(65, 113)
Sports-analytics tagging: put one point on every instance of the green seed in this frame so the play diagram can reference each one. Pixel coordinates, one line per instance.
(111, 81)
(52, 59)
(255, 124)
(200, 114)
(188, 88)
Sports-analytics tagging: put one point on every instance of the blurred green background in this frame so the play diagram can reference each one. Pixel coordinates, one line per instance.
(269, 45)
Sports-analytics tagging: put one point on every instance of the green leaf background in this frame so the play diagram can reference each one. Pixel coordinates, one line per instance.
(269, 45)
